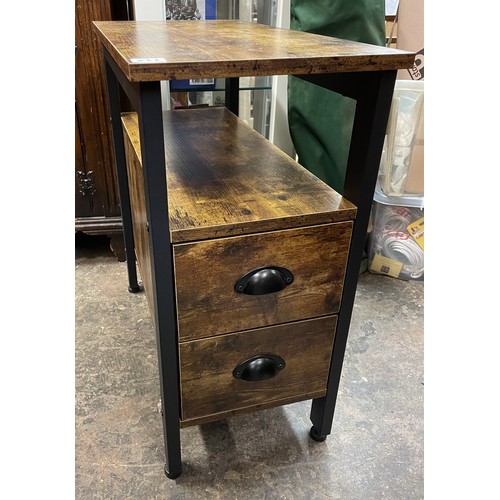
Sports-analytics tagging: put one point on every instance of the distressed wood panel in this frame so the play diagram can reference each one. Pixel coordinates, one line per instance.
(206, 367)
(206, 273)
(254, 407)
(139, 220)
(225, 179)
(217, 49)
(91, 107)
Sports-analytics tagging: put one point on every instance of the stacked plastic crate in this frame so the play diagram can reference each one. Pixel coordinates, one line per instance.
(396, 242)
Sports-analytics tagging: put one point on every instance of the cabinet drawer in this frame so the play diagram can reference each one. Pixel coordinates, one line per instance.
(208, 368)
(206, 274)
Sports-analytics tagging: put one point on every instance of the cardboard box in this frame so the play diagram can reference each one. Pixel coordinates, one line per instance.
(411, 36)
(415, 176)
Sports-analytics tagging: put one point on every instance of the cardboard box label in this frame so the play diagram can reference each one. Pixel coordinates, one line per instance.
(416, 230)
(417, 72)
(384, 265)
(411, 36)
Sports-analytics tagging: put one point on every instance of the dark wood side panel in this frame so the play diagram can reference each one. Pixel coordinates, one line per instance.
(206, 273)
(82, 205)
(206, 367)
(139, 221)
(94, 126)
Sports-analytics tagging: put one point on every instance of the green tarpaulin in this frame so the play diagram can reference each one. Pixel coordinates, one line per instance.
(321, 121)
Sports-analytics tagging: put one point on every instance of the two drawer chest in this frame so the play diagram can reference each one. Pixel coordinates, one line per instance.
(260, 249)
(249, 262)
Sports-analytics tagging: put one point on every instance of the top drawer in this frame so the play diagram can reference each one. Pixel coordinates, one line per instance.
(207, 273)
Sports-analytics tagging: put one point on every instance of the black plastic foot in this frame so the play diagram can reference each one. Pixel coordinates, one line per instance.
(134, 288)
(171, 475)
(313, 433)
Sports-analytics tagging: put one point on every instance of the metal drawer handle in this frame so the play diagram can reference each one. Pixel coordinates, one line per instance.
(264, 280)
(257, 368)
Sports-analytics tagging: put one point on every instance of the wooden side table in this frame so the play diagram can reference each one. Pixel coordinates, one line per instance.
(249, 262)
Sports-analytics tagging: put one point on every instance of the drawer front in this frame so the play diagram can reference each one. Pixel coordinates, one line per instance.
(207, 272)
(214, 377)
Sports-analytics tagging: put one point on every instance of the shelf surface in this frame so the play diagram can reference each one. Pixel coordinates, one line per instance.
(176, 50)
(225, 179)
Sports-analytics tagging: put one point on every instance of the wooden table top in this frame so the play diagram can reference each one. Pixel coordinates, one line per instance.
(176, 50)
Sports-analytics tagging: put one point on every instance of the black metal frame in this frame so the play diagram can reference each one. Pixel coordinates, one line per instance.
(232, 96)
(146, 100)
(373, 93)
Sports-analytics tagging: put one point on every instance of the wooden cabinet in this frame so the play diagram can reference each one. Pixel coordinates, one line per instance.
(97, 206)
(240, 207)
(249, 262)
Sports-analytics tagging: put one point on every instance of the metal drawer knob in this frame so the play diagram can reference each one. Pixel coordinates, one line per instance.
(257, 368)
(264, 280)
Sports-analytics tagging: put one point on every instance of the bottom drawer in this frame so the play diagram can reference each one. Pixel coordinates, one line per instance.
(285, 363)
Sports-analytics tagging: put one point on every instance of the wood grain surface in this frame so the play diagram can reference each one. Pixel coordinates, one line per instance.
(139, 220)
(91, 110)
(225, 179)
(217, 49)
(206, 367)
(253, 407)
(206, 274)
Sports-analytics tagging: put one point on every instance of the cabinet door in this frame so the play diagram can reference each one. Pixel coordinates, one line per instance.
(96, 192)
(82, 191)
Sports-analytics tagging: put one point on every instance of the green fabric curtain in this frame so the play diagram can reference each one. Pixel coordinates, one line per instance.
(320, 121)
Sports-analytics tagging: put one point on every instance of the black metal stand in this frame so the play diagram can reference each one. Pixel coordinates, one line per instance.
(146, 100)
(232, 95)
(373, 93)
(121, 168)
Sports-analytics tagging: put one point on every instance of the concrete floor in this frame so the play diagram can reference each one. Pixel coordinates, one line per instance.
(375, 450)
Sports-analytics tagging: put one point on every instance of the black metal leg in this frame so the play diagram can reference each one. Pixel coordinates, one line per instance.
(155, 189)
(313, 433)
(373, 93)
(233, 95)
(146, 100)
(121, 170)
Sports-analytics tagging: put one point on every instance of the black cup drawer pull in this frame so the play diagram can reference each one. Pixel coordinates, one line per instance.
(259, 368)
(264, 280)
